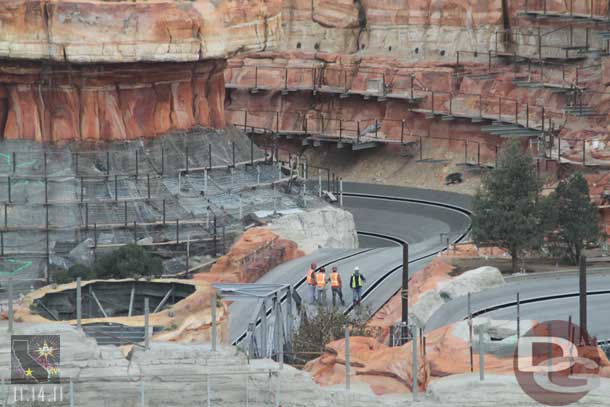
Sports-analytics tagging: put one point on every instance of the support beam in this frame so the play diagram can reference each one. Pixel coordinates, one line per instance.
(405, 289)
(164, 300)
(289, 316)
(146, 323)
(92, 293)
(79, 303)
(131, 298)
(583, 295)
(481, 355)
(214, 333)
(10, 305)
(264, 329)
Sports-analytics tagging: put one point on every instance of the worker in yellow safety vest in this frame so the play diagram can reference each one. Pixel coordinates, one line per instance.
(311, 282)
(321, 281)
(356, 282)
(336, 285)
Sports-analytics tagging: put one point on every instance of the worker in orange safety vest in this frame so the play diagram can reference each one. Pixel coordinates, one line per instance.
(311, 281)
(336, 285)
(321, 281)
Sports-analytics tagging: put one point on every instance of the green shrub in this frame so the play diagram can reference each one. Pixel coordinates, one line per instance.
(129, 261)
(77, 270)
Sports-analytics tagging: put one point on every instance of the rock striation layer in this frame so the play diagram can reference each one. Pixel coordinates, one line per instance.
(59, 103)
(91, 70)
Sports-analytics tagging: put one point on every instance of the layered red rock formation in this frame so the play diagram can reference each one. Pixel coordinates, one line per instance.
(385, 26)
(330, 114)
(56, 103)
(84, 31)
(370, 38)
(94, 70)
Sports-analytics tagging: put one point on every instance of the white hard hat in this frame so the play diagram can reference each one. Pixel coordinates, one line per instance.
(356, 268)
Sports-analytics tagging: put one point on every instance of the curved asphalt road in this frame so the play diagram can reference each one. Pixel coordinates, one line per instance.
(418, 223)
(489, 303)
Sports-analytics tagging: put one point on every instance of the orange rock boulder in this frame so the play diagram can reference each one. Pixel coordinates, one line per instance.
(256, 252)
(386, 370)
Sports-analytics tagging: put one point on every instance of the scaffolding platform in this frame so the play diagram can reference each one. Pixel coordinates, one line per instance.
(510, 130)
(554, 87)
(292, 89)
(313, 139)
(564, 16)
(333, 90)
(341, 142)
(582, 111)
(342, 92)
(483, 76)
(250, 89)
(496, 128)
(534, 59)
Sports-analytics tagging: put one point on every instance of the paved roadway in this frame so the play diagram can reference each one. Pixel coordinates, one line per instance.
(540, 287)
(417, 223)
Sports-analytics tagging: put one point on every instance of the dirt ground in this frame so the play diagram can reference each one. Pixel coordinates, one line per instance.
(390, 165)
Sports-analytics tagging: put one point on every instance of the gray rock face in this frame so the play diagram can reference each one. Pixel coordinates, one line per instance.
(499, 336)
(83, 253)
(471, 281)
(425, 306)
(327, 227)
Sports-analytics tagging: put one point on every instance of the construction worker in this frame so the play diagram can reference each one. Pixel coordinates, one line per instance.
(356, 282)
(311, 281)
(336, 285)
(321, 281)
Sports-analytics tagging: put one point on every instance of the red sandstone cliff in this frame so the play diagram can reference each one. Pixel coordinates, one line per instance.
(93, 70)
(54, 103)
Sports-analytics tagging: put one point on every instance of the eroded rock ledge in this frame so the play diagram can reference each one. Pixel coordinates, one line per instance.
(93, 70)
(81, 31)
(60, 102)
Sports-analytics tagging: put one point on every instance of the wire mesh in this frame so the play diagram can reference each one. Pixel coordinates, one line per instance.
(165, 190)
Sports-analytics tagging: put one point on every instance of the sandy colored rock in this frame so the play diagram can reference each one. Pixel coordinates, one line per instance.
(155, 31)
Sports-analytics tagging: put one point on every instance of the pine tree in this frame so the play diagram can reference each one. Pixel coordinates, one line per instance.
(575, 218)
(506, 209)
